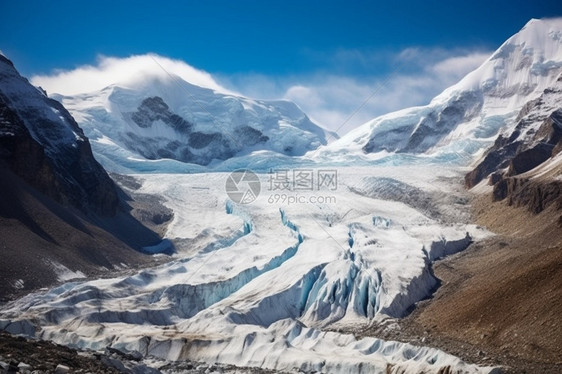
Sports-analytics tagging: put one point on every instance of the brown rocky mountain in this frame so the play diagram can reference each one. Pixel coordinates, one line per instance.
(536, 138)
(535, 141)
(61, 215)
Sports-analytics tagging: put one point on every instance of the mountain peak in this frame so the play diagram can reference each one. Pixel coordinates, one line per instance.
(466, 117)
(522, 66)
(158, 115)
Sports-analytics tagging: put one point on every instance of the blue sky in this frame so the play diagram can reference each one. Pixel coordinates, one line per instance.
(328, 56)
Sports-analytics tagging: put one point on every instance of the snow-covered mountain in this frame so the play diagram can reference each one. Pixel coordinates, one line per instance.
(460, 123)
(259, 284)
(535, 138)
(256, 284)
(161, 117)
(503, 119)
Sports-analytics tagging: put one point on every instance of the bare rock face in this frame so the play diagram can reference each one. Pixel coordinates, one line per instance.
(529, 159)
(41, 143)
(153, 109)
(497, 157)
(521, 151)
(61, 215)
(535, 195)
(535, 139)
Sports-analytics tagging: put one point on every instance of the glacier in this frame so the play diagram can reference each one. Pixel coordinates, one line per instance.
(278, 285)
(257, 284)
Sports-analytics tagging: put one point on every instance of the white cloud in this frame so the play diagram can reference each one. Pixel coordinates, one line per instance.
(458, 66)
(331, 100)
(110, 70)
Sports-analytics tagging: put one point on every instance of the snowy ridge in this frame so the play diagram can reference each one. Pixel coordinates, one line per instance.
(463, 120)
(164, 119)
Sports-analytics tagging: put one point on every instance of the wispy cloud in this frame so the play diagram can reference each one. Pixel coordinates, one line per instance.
(111, 70)
(456, 67)
(415, 76)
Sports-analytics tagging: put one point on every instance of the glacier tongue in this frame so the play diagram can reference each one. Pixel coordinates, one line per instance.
(255, 284)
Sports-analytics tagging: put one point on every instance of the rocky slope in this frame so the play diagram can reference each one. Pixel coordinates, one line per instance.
(42, 144)
(499, 302)
(536, 137)
(524, 165)
(61, 215)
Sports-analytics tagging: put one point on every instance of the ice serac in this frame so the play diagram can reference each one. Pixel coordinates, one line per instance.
(41, 143)
(466, 118)
(162, 118)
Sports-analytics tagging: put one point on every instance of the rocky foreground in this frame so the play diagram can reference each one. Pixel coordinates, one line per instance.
(21, 355)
